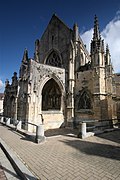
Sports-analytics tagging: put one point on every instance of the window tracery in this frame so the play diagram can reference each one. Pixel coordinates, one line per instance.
(54, 59)
(84, 101)
(51, 96)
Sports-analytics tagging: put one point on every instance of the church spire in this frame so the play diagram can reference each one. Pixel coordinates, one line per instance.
(25, 55)
(36, 54)
(96, 34)
(97, 46)
(108, 58)
(24, 65)
(76, 32)
(107, 49)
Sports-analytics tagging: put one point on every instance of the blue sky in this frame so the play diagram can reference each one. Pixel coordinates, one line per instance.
(24, 21)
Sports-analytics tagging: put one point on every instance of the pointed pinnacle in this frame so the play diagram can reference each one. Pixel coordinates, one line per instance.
(96, 35)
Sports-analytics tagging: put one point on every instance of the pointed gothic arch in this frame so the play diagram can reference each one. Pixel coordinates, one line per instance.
(54, 59)
(51, 96)
(84, 101)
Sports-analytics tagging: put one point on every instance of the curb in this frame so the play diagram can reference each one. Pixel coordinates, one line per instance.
(19, 167)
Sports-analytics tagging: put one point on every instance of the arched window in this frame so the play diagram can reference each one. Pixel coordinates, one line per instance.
(54, 59)
(84, 100)
(51, 96)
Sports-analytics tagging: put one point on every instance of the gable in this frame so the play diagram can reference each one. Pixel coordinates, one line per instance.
(56, 36)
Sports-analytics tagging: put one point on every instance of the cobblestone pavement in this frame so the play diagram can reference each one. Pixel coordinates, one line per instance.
(66, 157)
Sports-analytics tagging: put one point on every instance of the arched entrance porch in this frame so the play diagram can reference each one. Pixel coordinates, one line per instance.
(51, 96)
(52, 103)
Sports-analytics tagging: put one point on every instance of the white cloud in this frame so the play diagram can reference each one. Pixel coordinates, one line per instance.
(111, 35)
(87, 37)
(1, 86)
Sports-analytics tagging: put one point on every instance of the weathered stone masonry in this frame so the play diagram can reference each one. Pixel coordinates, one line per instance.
(63, 83)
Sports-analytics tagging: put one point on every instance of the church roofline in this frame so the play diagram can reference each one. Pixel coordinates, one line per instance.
(80, 40)
(55, 15)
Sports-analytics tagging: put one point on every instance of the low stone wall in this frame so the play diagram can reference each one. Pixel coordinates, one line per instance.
(53, 120)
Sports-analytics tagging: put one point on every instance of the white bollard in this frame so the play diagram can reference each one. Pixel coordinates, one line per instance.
(2, 118)
(7, 121)
(19, 124)
(40, 133)
(83, 129)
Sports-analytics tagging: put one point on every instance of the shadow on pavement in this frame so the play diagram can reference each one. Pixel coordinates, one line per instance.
(60, 131)
(2, 173)
(95, 149)
(112, 136)
(31, 139)
(10, 172)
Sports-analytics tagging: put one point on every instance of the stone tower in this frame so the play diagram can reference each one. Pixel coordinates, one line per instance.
(98, 65)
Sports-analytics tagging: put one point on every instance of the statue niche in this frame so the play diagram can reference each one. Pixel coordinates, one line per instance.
(51, 96)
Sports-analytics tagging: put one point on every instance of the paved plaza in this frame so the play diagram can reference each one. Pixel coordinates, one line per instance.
(65, 157)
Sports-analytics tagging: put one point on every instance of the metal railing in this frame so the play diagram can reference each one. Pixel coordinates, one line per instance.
(85, 126)
(17, 124)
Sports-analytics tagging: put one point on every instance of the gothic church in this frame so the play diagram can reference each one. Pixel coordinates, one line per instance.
(64, 83)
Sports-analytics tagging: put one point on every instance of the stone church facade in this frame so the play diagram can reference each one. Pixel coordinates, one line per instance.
(64, 84)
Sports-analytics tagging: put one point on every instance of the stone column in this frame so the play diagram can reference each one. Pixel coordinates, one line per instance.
(71, 79)
(15, 115)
